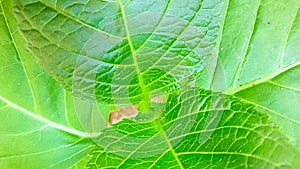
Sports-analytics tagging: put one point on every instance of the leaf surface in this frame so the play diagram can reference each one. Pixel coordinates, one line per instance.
(39, 127)
(107, 50)
(124, 53)
(260, 56)
(185, 137)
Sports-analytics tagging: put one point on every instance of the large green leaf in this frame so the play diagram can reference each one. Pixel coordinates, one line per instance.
(280, 97)
(124, 53)
(263, 66)
(185, 137)
(39, 128)
(109, 50)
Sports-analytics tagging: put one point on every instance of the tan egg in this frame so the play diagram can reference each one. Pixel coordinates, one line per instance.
(125, 112)
(157, 99)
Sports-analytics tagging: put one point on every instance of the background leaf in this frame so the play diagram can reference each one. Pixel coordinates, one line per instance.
(260, 57)
(39, 128)
(280, 97)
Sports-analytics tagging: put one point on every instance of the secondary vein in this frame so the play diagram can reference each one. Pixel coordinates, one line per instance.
(247, 48)
(79, 20)
(19, 56)
(262, 80)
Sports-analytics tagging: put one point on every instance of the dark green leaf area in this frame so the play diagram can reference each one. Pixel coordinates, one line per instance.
(89, 48)
(127, 88)
(208, 130)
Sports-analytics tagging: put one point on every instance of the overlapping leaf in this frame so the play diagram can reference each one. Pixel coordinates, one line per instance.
(185, 136)
(122, 53)
(98, 48)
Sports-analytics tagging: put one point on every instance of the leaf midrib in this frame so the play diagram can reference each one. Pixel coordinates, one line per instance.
(162, 131)
(133, 52)
(168, 142)
(179, 35)
(47, 121)
(30, 113)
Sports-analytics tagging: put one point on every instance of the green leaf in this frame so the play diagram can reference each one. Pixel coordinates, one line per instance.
(126, 52)
(280, 97)
(185, 137)
(260, 56)
(107, 50)
(39, 127)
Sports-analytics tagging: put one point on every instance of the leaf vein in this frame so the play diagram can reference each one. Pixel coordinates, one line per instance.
(19, 56)
(79, 21)
(235, 79)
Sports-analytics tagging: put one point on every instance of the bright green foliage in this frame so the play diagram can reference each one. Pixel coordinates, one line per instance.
(225, 66)
(264, 65)
(182, 138)
(99, 48)
(39, 127)
(280, 97)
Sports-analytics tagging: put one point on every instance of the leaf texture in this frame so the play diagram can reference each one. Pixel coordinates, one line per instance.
(109, 57)
(262, 68)
(39, 128)
(123, 53)
(184, 137)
